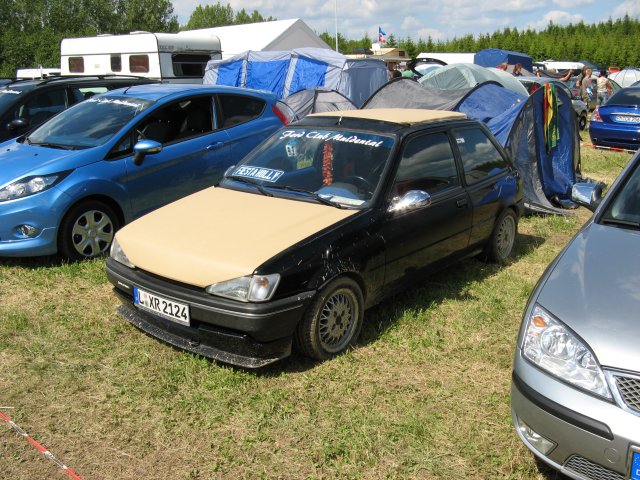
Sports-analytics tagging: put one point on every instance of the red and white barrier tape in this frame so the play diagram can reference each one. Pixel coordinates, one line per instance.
(46, 453)
(615, 149)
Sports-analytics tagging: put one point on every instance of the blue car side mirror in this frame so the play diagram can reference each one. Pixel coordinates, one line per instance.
(145, 147)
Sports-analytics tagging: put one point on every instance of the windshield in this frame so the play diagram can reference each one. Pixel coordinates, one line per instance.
(624, 209)
(89, 123)
(337, 166)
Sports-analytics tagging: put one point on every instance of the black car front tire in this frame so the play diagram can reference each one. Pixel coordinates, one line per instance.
(332, 322)
(87, 230)
(505, 230)
(582, 121)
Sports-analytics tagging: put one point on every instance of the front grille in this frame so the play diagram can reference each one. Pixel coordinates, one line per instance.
(591, 470)
(629, 388)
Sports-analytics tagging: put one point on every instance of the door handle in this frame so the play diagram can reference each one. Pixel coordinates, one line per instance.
(215, 145)
(462, 202)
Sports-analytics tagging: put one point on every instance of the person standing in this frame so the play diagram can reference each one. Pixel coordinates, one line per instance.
(586, 86)
(603, 87)
(517, 70)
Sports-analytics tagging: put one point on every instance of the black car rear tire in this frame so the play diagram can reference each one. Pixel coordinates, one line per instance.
(503, 237)
(333, 321)
(87, 230)
(582, 121)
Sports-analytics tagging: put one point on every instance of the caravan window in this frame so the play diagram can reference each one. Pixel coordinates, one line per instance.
(116, 63)
(76, 64)
(189, 65)
(139, 63)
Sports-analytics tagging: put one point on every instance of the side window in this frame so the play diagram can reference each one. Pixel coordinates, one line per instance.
(82, 93)
(123, 147)
(139, 63)
(427, 164)
(189, 64)
(76, 64)
(236, 109)
(480, 158)
(177, 121)
(116, 62)
(41, 106)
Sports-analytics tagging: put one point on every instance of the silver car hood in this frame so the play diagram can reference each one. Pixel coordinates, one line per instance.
(594, 288)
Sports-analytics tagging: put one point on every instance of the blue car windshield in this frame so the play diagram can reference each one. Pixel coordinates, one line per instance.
(342, 167)
(90, 123)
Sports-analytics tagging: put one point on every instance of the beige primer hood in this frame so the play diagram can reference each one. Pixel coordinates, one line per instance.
(219, 234)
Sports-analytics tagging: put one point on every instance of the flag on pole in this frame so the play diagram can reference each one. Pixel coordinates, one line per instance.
(382, 36)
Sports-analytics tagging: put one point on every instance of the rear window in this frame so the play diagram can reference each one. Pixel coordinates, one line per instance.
(189, 65)
(626, 96)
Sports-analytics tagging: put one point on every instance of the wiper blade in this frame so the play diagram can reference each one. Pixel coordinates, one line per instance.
(253, 183)
(53, 145)
(620, 223)
(314, 195)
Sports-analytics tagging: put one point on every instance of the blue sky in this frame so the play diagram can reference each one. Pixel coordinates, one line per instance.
(440, 19)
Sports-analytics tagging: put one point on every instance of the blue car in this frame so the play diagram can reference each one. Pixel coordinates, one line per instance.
(70, 184)
(617, 123)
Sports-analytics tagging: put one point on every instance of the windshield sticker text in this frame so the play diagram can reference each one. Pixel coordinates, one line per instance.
(259, 173)
(115, 101)
(331, 136)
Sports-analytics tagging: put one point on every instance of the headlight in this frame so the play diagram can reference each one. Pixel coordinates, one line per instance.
(256, 288)
(551, 346)
(118, 254)
(30, 185)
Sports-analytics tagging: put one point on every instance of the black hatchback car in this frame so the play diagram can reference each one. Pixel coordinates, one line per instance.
(25, 104)
(323, 220)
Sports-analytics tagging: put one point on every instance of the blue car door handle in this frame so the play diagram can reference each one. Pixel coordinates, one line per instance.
(215, 145)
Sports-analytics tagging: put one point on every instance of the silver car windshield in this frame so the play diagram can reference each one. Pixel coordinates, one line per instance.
(338, 166)
(624, 208)
(88, 124)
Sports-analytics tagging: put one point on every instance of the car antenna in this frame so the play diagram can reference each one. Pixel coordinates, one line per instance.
(126, 90)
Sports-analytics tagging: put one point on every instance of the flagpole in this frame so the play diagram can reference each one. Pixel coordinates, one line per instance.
(335, 14)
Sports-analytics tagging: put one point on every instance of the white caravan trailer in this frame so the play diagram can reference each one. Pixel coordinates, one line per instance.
(170, 57)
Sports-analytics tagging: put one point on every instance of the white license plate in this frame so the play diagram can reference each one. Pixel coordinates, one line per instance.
(628, 118)
(174, 311)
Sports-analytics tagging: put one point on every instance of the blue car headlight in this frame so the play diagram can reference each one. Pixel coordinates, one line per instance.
(550, 345)
(256, 288)
(29, 185)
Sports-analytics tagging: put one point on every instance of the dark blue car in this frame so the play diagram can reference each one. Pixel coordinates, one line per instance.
(70, 184)
(617, 123)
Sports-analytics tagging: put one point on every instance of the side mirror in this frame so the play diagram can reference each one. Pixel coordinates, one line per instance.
(18, 124)
(143, 148)
(412, 200)
(587, 194)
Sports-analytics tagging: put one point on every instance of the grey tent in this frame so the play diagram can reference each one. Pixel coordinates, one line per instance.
(316, 100)
(465, 75)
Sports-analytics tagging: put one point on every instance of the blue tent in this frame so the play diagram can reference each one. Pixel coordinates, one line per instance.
(492, 57)
(286, 72)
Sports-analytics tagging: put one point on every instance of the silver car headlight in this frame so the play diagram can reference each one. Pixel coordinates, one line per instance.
(255, 288)
(554, 348)
(118, 254)
(30, 185)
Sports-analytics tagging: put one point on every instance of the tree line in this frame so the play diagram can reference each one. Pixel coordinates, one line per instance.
(32, 31)
(612, 42)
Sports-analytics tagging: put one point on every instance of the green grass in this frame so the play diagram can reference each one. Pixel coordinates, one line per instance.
(425, 394)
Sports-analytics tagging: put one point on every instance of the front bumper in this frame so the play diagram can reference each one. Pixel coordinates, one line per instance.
(249, 335)
(595, 438)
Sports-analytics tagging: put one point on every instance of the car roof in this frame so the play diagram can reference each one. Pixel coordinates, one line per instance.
(400, 116)
(28, 84)
(157, 91)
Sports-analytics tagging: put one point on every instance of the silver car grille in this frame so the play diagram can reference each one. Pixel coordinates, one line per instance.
(590, 470)
(629, 388)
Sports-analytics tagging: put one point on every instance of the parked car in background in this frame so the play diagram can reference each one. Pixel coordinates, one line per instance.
(70, 184)
(322, 221)
(617, 123)
(533, 83)
(25, 104)
(575, 391)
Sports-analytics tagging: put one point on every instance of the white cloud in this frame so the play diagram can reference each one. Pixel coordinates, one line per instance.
(629, 7)
(558, 17)
(573, 3)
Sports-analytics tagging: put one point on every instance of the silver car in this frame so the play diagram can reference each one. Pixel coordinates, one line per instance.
(575, 391)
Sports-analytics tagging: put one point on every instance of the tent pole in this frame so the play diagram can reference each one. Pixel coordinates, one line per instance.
(335, 15)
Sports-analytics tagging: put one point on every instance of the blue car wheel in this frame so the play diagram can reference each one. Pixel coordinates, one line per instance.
(87, 230)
